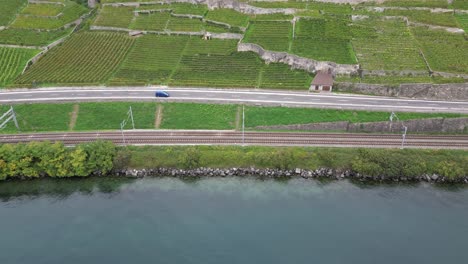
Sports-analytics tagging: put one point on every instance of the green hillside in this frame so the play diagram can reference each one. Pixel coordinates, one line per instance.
(149, 43)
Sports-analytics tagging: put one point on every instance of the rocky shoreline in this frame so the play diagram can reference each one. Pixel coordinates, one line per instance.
(321, 173)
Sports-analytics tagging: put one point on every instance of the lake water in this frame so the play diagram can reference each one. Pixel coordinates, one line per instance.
(230, 220)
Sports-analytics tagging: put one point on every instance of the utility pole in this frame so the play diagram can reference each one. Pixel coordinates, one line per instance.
(243, 126)
(130, 113)
(122, 125)
(404, 129)
(404, 136)
(9, 115)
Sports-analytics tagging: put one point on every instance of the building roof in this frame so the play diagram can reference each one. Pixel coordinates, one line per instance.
(323, 78)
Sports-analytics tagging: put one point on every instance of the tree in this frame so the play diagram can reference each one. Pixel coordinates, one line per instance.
(190, 158)
(100, 156)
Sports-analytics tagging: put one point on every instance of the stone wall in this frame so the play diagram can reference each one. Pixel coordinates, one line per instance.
(444, 125)
(453, 91)
(168, 32)
(213, 4)
(297, 62)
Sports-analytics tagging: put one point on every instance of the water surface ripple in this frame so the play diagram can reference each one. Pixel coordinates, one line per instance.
(230, 220)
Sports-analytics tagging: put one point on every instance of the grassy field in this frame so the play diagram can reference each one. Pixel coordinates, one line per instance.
(198, 116)
(108, 116)
(391, 162)
(39, 117)
(12, 62)
(88, 57)
(269, 116)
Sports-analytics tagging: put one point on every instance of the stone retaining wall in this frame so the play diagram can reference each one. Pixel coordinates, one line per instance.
(453, 91)
(278, 174)
(297, 62)
(213, 4)
(444, 125)
(168, 32)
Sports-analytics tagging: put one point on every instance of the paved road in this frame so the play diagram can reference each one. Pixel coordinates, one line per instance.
(226, 137)
(255, 97)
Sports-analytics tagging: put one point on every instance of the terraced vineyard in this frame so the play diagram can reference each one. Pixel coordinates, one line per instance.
(228, 16)
(369, 34)
(156, 21)
(71, 11)
(12, 62)
(115, 17)
(152, 60)
(235, 70)
(463, 21)
(386, 45)
(88, 57)
(323, 39)
(9, 10)
(280, 76)
(30, 37)
(445, 51)
(271, 35)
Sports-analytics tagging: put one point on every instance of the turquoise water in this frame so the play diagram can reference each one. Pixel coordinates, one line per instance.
(230, 220)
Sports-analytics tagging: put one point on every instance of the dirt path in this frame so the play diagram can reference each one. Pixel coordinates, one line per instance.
(158, 117)
(238, 118)
(73, 117)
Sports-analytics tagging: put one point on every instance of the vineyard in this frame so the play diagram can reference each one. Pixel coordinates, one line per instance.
(71, 11)
(460, 4)
(228, 16)
(280, 76)
(115, 17)
(235, 70)
(9, 10)
(445, 51)
(323, 39)
(369, 34)
(152, 60)
(463, 20)
(386, 45)
(12, 62)
(29, 37)
(270, 35)
(88, 57)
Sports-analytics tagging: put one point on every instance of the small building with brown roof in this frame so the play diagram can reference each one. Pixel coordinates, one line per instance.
(323, 81)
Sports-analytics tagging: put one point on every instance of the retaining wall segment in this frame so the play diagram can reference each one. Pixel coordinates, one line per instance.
(297, 62)
(453, 91)
(444, 125)
(213, 4)
(168, 32)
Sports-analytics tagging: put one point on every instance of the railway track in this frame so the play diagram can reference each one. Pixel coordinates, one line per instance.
(162, 137)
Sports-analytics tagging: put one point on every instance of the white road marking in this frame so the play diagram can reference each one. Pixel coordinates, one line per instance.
(464, 110)
(208, 91)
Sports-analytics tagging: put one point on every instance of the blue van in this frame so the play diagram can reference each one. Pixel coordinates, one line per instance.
(161, 94)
